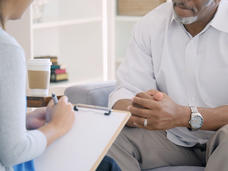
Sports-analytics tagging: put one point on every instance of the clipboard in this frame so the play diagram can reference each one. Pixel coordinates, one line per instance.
(85, 145)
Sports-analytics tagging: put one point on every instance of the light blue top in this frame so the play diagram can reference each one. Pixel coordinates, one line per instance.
(17, 145)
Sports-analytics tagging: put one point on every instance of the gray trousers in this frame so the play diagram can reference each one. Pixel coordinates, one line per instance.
(137, 149)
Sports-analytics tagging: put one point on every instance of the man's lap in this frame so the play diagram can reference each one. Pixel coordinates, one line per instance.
(143, 149)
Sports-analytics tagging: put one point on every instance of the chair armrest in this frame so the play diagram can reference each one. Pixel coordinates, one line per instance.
(92, 94)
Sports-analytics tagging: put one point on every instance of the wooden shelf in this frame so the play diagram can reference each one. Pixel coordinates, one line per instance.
(35, 102)
(46, 25)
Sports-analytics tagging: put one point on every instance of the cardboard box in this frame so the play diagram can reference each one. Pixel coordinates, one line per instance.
(136, 7)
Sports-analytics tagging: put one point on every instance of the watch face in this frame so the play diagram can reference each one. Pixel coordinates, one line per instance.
(196, 121)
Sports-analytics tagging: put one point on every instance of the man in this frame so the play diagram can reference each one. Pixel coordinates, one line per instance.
(174, 81)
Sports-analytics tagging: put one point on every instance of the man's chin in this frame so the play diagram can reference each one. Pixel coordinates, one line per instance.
(185, 20)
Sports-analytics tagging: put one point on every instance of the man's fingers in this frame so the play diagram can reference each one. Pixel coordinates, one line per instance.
(143, 95)
(158, 96)
(131, 122)
(134, 121)
(143, 113)
(153, 92)
(138, 122)
(147, 103)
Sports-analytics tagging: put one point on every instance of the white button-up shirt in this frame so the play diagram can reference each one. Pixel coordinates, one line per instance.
(191, 70)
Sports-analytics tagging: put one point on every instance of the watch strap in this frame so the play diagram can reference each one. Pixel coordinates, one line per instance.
(194, 109)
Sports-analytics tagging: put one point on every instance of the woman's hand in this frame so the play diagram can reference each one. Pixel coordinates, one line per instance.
(62, 115)
(36, 118)
(60, 119)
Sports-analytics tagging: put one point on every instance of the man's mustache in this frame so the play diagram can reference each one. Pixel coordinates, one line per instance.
(183, 5)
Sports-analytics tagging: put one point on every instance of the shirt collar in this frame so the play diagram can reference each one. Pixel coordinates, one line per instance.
(172, 18)
(220, 19)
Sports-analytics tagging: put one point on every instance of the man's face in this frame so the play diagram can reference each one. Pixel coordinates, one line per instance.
(190, 11)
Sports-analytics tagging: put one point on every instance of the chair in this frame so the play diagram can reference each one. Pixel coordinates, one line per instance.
(97, 94)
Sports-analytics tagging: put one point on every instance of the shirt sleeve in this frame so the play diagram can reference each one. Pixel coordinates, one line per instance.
(17, 145)
(136, 73)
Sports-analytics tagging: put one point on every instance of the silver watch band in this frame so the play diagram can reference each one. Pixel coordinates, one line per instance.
(195, 114)
(194, 109)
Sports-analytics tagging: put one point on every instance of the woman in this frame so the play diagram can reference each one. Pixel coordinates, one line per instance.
(17, 145)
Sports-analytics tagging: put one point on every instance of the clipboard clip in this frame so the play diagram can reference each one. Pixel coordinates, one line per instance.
(106, 111)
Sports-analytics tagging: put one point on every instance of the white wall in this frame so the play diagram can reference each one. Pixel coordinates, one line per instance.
(78, 46)
(21, 30)
(57, 10)
(111, 38)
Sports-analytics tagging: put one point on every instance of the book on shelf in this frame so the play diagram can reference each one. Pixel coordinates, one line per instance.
(54, 67)
(46, 57)
(60, 71)
(53, 59)
(62, 76)
(59, 77)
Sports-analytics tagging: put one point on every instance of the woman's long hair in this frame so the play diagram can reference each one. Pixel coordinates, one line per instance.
(2, 22)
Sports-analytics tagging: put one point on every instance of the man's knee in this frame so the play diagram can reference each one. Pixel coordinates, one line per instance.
(217, 147)
(220, 136)
(223, 133)
(124, 145)
(123, 141)
(124, 152)
(122, 138)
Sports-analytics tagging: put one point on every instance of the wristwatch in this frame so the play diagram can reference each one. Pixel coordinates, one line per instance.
(196, 121)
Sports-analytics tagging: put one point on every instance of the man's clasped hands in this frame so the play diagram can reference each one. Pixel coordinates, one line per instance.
(159, 111)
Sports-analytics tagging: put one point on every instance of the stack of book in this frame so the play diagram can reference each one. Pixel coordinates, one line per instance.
(57, 72)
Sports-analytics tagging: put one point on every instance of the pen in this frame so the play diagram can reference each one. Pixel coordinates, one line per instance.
(55, 99)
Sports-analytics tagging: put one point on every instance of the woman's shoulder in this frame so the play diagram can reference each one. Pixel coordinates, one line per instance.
(9, 46)
(6, 40)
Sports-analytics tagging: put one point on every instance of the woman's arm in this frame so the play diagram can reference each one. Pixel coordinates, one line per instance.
(16, 145)
(61, 120)
(36, 118)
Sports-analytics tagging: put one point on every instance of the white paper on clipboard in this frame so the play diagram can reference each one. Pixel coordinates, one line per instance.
(83, 148)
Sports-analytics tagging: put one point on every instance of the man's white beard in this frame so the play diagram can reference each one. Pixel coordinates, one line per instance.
(190, 20)
(185, 20)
